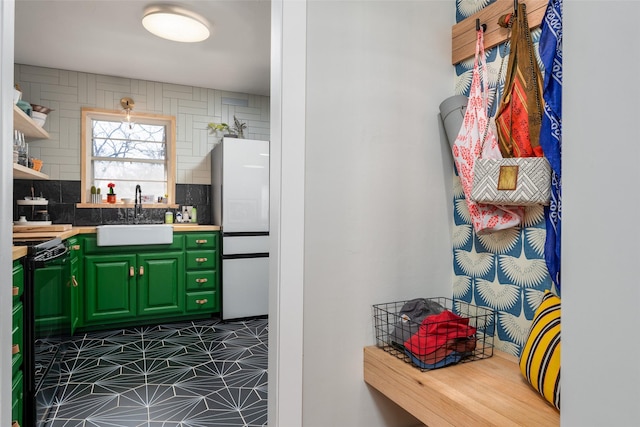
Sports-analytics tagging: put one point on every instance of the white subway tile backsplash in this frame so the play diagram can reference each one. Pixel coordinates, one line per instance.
(194, 107)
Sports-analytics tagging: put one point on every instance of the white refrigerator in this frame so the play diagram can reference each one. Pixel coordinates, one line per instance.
(240, 206)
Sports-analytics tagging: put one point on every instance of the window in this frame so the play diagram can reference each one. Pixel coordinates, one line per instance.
(128, 154)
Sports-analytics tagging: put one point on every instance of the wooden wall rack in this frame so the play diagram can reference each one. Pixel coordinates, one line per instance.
(463, 34)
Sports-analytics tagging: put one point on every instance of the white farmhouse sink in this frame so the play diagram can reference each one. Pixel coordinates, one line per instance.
(134, 234)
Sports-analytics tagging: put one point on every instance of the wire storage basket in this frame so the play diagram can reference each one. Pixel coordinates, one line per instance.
(431, 333)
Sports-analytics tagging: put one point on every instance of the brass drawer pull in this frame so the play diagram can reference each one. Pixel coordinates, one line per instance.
(202, 301)
(15, 349)
(16, 291)
(74, 281)
(141, 270)
(15, 424)
(203, 280)
(201, 241)
(131, 272)
(201, 260)
(75, 247)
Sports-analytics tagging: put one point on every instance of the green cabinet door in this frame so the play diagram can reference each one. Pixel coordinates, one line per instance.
(161, 283)
(17, 337)
(74, 317)
(52, 307)
(18, 280)
(75, 251)
(17, 399)
(109, 287)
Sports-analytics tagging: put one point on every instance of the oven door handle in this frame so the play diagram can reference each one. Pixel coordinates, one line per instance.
(41, 259)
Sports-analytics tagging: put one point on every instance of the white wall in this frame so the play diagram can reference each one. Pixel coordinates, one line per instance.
(601, 237)
(377, 219)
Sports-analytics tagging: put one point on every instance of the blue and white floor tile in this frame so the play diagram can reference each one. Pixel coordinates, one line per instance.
(194, 374)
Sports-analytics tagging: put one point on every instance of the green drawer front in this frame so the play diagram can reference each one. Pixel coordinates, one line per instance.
(17, 340)
(202, 302)
(75, 248)
(201, 240)
(17, 398)
(201, 280)
(202, 260)
(18, 280)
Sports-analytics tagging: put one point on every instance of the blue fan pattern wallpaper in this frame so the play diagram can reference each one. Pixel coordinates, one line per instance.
(505, 270)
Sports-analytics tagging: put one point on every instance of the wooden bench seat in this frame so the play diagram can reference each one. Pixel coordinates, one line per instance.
(487, 392)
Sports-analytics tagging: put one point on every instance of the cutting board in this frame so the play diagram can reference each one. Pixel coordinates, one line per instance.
(41, 228)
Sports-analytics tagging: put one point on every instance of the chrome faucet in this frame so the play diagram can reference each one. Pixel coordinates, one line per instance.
(137, 207)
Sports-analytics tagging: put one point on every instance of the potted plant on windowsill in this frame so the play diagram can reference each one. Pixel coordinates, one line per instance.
(111, 196)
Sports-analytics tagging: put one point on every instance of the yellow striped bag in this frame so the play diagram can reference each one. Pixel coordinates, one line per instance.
(540, 357)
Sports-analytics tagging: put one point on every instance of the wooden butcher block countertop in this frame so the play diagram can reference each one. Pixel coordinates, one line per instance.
(19, 252)
(64, 231)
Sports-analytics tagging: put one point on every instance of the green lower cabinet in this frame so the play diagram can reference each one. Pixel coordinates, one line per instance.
(17, 404)
(74, 315)
(17, 337)
(109, 287)
(126, 285)
(52, 308)
(202, 273)
(75, 261)
(161, 284)
(18, 280)
(17, 345)
(121, 287)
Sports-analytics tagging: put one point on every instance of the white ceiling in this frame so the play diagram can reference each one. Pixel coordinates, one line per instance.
(107, 37)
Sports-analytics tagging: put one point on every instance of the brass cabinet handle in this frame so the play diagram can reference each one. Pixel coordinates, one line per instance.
(202, 280)
(16, 291)
(131, 272)
(141, 270)
(202, 301)
(15, 349)
(15, 424)
(75, 247)
(74, 281)
(201, 241)
(201, 260)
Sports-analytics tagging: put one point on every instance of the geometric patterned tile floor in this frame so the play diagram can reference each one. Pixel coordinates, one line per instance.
(191, 374)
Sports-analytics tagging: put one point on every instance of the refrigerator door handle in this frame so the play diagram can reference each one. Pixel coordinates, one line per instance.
(241, 256)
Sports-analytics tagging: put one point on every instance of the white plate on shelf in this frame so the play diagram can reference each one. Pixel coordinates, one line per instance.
(31, 223)
(29, 202)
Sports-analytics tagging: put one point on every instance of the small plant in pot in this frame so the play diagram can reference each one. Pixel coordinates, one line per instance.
(221, 127)
(237, 131)
(111, 196)
(239, 127)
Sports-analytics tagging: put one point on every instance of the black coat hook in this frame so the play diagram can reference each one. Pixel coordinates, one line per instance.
(478, 26)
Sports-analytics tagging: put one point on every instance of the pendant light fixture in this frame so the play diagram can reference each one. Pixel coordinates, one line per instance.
(175, 23)
(127, 105)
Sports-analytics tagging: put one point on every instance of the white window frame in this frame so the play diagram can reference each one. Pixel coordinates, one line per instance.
(86, 131)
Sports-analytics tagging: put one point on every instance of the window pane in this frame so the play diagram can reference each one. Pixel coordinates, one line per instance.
(128, 188)
(121, 170)
(119, 130)
(130, 149)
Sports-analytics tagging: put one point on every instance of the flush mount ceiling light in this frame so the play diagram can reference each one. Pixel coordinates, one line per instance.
(174, 23)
